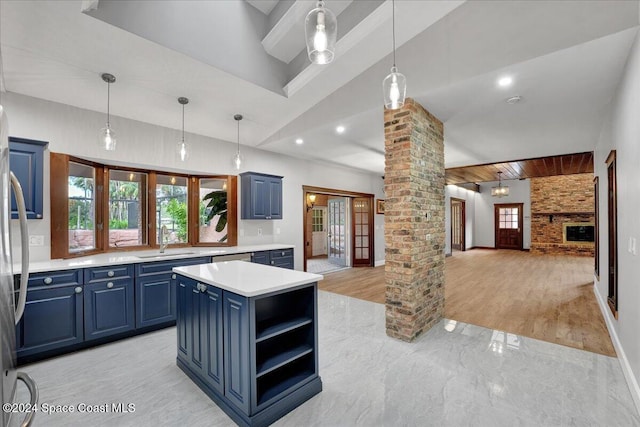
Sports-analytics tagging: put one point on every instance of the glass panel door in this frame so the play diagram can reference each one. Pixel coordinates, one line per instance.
(362, 237)
(336, 236)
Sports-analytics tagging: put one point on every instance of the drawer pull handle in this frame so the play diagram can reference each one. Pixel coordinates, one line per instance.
(202, 287)
(173, 276)
(273, 262)
(110, 285)
(78, 289)
(110, 273)
(48, 280)
(282, 253)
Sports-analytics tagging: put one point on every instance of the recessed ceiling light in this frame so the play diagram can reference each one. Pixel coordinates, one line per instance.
(299, 141)
(505, 81)
(514, 99)
(340, 129)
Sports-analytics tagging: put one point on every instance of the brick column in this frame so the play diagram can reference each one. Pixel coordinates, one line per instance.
(414, 220)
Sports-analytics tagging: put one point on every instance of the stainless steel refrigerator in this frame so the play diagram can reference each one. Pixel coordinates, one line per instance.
(12, 302)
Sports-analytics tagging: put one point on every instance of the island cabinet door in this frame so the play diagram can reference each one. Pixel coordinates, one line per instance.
(236, 350)
(212, 337)
(183, 292)
(195, 346)
(108, 308)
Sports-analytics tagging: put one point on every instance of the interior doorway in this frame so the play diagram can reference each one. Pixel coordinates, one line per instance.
(338, 229)
(508, 225)
(458, 220)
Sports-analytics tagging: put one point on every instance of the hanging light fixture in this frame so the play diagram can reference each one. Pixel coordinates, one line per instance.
(237, 158)
(107, 137)
(321, 30)
(500, 190)
(182, 152)
(394, 86)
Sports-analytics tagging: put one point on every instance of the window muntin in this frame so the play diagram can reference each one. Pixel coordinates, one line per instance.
(127, 208)
(81, 207)
(172, 208)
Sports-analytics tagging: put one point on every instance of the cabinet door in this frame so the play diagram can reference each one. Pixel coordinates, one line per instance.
(108, 308)
(212, 337)
(236, 350)
(26, 161)
(195, 347)
(261, 257)
(259, 208)
(183, 298)
(155, 299)
(275, 198)
(52, 319)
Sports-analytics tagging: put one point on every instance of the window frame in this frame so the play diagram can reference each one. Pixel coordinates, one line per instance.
(59, 202)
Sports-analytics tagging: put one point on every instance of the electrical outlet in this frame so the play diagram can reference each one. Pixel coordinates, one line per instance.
(633, 246)
(36, 240)
(277, 230)
(259, 231)
(241, 232)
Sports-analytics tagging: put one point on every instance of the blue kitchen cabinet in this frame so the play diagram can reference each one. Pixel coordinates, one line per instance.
(52, 319)
(26, 158)
(279, 258)
(108, 302)
(155, 291)
(236, 350)
(53, 314)
(261, 196)
(200, 333)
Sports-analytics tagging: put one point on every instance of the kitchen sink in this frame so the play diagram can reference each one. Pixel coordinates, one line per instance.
(164, 255)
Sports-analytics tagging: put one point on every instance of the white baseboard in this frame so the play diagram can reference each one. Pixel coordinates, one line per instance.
(379, 262)
(632, 383)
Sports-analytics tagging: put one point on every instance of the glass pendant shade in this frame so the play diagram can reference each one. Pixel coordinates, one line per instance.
(237, 160)
(321, 31)
(394, 87)
(500, 190)
(107, 138)
(181, 151)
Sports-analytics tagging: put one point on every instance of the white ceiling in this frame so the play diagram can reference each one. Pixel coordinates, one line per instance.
(565, 57)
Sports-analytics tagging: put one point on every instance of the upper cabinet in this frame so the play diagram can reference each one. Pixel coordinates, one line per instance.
(261, 196)
(26, 162)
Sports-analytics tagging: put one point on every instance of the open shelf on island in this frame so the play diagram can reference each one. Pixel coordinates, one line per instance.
(275, 326)
(282, 358)
(274, 383)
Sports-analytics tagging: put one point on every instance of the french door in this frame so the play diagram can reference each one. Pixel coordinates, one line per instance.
(336, 231)
(362, 231)
(457, 224)
(508, 226)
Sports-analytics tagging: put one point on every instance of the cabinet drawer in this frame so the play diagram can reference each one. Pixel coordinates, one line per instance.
(282, 253)
(53, 279)
(166, 266)
(99, 274)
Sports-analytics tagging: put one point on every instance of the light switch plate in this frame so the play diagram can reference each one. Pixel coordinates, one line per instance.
(36, 240)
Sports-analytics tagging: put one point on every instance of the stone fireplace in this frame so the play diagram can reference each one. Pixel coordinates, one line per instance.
(560, 205)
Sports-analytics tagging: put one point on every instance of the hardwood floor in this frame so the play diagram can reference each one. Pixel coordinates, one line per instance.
(549, 298)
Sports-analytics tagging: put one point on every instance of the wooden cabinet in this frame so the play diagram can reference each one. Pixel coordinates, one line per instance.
(155, 291)
(279, 258)
(261, 196)
(256, 357)
(108, 302)
(26, 162)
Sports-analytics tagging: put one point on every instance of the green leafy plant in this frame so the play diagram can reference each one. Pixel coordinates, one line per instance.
(118, 224)
(217, 205)
(178, 213)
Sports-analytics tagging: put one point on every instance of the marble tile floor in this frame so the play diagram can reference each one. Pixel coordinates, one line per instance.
(323, 266)
(455, 375)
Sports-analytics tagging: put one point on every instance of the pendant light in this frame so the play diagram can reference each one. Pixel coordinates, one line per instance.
(500, 190)
(182, 152)
(394, 86)
(237, 158)
(107, 137)
(321, 30)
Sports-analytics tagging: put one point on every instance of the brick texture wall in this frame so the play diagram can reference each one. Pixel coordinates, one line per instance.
(414, 228)
(557, 200)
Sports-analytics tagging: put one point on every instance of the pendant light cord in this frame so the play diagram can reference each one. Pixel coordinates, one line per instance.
(108, 101)
(183, 123)
(393, 26)
(238, 136)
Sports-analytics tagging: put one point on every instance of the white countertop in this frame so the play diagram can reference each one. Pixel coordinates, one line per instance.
(135, 257)
(246, 278)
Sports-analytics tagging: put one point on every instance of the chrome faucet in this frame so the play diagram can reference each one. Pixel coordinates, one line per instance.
(163, 238)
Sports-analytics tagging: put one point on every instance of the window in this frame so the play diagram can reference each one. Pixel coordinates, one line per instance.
(172, 208)
(99, 208)
(81, 207)
(318, 220)
(509, 218)
(127, 208)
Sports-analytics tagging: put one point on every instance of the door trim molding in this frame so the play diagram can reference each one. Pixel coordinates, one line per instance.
(306, 189)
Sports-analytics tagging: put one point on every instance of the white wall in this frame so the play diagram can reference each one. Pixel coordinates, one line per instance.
(74, 131)
(621, 132)
(469, 197)
(519, 192)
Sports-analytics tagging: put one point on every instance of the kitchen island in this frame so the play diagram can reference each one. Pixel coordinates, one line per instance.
(248, 337)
